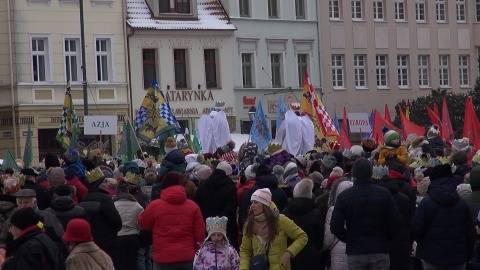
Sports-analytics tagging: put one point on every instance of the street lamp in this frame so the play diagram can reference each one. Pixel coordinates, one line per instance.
(251, 113)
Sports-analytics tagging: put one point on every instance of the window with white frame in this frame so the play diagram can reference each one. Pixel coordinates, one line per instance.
(378, 10)
(211, 68)
(180, 62)
(244, 6)
(103, 55)
(334, 9)
(300, 9)
(276, 64)
(357, 9)
(381, 67)
(71, 49)
(420, 11)
(477, 9)
(302, 66)
(272, 9)
(461, 12)
(360, 71)
(247, 70)
(444, 70)
(441, 10)
(337, 71)
(403, 71)
(400, 10)
(463, 65)
(39, 52)
(423, 71)
(174, 6)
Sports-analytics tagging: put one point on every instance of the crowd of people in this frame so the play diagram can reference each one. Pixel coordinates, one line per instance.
(399, 204)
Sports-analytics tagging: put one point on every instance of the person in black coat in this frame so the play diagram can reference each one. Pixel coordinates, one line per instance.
(264, 179)
(400, 249)
(63, 206)
(397, 171)
(104, 217)
(460, 163)
(301, 209)
(442, 224)
(218, 197)
(366, 218)
(43, 196)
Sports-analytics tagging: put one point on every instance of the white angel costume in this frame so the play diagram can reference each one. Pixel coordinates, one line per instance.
(213, 131)
(296, 134)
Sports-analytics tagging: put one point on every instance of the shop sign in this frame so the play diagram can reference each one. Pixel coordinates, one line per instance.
(272, 106)
(189, 95)
(7, 134)
(359, 122)
(248, 102)
(100, 125)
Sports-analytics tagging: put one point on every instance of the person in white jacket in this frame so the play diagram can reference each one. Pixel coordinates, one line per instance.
(129, 210)
(338, 256)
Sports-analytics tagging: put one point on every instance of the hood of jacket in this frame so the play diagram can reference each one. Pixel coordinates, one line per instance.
(462, 169)
(301, 206)
(217, 180)
(390, 184)
(62, 204)
(443, 191)
(267, 181)
(174, 194)
(175, 157)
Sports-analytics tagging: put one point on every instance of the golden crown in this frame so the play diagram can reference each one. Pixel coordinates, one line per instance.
(133, 178)
(216, 224)
(273, 147)
(94, 175)
(295, 106)
(379, 171)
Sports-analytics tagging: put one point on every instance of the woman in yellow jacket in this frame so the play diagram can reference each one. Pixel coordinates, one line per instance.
(267, 230)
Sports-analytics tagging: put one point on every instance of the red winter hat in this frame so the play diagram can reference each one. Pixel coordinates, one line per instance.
(78, 231)
(330, 181)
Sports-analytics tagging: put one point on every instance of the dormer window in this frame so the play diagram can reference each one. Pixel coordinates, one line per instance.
(174, 6)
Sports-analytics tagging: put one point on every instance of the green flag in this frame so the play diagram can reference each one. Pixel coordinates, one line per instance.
(74, 137)
(130, 145)
(197, 148)
(9, 161)
(27, 152)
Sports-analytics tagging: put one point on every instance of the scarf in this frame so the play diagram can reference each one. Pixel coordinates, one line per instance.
(260, 228)
(395, 175)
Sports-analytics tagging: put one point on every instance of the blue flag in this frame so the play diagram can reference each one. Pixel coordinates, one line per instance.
(259, 132)
(335, 121)
(281, 110)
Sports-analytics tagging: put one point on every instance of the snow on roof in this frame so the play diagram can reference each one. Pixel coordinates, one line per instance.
(211, 16)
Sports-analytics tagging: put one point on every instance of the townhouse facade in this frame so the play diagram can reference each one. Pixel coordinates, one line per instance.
(40, 50)
(381, 52)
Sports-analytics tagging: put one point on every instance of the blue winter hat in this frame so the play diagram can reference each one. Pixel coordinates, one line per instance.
(71, 156)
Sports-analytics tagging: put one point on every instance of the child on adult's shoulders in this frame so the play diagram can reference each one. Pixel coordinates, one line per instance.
(393, 148)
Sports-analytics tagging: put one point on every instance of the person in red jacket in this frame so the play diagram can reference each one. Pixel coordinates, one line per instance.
(177, 226)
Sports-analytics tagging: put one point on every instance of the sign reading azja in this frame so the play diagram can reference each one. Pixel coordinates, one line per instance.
(100, 124)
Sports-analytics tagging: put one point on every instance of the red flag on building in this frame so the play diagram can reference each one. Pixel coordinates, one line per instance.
(378, 123)
(344, 136)
(471, 126)
(449, 135)
(409, 127)
(387, 114)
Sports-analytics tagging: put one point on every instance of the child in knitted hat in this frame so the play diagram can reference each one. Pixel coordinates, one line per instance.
(216, 250)
(393, 148)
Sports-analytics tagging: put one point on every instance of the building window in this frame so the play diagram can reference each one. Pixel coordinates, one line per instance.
(460, 7)
(420, 11)
(276, 69)
(300, 9)
(337, 71)
(72, 59)
(441, 10)
(378, 10)
(423, 71)
(247, 70)
(302, 66)
(477, 9)
(174, 6)
(400, 10)
(463, 69)
(402, 69)
(357, 9)
(273, 9)
(334, 9)
(149, 57)
(244, 8)
(381, 67)
(360, 71)
(103, 55)
(39, 59)
(443, 70)
(180, 63)
(211, 78)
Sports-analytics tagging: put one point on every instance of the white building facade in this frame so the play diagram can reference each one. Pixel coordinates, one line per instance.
(382, 52)
(275, 42)
(186, 47)
(40, 50)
